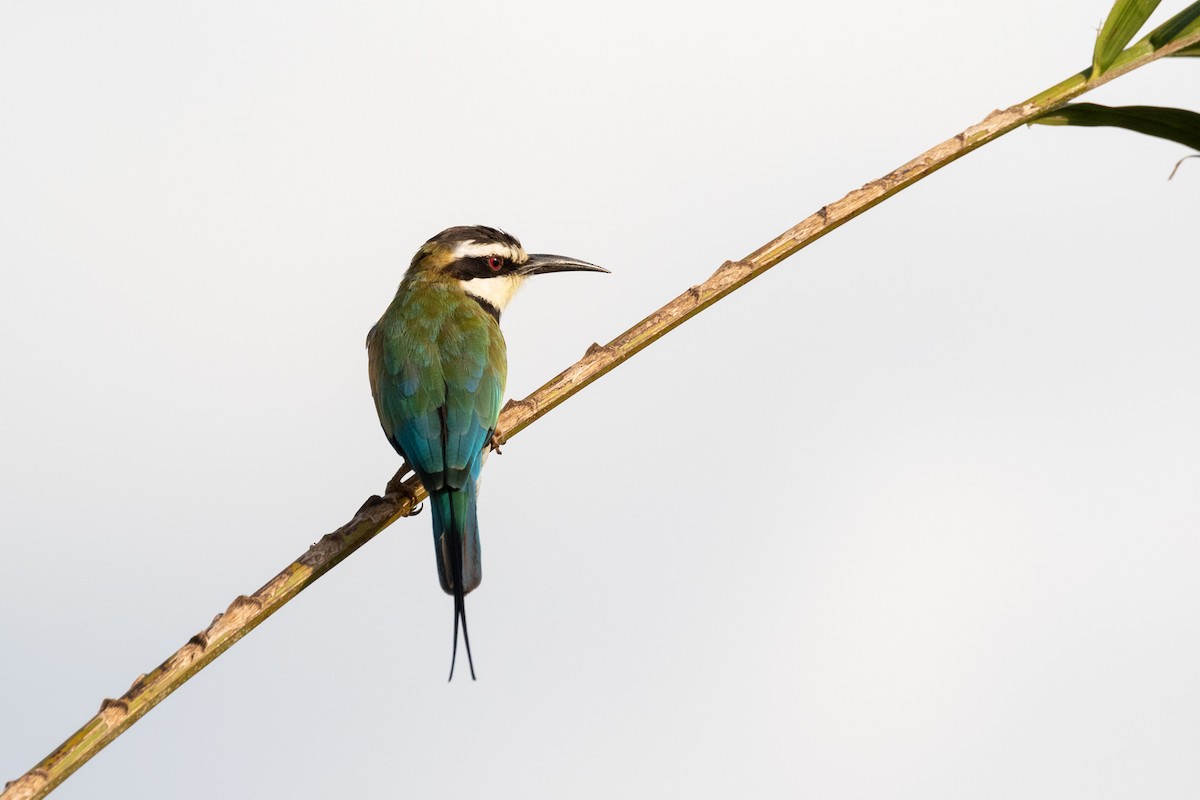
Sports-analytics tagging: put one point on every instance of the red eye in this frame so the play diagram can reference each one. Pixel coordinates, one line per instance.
(495, 263)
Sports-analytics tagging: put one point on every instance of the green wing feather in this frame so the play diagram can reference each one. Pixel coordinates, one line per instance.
(438, 368)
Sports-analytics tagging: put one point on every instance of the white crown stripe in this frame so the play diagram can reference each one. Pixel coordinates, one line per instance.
(479, 249)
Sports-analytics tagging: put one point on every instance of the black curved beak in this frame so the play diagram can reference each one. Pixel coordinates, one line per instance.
(541, 263)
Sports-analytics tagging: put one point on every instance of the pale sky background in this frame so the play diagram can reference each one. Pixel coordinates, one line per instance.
(915, 515)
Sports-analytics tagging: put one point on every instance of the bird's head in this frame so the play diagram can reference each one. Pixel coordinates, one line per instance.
(489, 264)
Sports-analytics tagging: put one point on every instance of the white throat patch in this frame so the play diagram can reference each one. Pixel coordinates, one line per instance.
(496, 292)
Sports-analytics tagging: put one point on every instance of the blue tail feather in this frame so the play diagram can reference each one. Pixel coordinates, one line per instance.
(456, 543)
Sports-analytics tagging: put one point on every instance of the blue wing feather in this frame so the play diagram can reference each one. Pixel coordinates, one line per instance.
(437, 372)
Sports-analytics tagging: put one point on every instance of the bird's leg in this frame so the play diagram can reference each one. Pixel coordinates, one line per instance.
(397, 487)
(496, 440)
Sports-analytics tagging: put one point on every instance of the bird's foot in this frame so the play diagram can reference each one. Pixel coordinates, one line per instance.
(496, 441)
(398, 489)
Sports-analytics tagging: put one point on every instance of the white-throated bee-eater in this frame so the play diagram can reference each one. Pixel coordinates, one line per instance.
(438, 365)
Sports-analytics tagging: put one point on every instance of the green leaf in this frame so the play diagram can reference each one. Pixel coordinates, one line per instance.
(1193, 51)
(1181, 24)
(1124, 21)
(1174, 124)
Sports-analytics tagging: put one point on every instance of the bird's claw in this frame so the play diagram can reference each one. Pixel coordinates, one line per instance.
(398, 488)
(496, 441)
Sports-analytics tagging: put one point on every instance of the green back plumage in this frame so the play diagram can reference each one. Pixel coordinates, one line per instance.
(438, 368)
(435, 352)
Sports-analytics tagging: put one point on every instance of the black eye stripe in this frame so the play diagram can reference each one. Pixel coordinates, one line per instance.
(474, 267)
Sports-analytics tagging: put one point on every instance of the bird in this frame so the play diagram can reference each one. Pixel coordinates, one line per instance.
(438, 364)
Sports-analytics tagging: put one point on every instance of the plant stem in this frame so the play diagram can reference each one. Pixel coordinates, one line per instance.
(247, 612)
